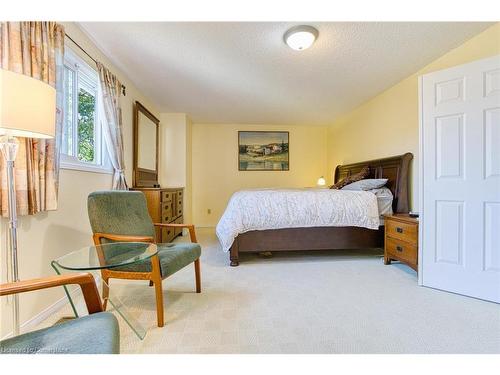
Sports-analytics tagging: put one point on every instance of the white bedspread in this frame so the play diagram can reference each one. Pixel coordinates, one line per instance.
(262, 209)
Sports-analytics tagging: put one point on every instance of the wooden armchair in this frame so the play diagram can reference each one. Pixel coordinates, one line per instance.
(93, 334)
(122, 216)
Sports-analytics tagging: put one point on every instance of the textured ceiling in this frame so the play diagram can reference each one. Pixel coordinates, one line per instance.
(244, 73)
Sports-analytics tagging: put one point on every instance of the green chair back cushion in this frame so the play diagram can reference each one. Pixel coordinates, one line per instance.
(120, 212)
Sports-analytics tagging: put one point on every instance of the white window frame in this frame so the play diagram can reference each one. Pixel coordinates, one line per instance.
(82, 70)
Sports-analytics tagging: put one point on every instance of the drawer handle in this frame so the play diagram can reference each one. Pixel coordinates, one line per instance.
(399, 229)
(399, 248)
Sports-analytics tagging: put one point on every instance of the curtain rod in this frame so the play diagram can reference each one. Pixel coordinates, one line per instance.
(94, 60)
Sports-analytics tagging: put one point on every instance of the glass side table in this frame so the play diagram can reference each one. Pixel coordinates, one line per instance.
(93, 259)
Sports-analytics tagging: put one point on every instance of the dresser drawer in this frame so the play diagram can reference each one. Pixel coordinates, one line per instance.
(166, 206)
(166, 196)
(166, 213)
(178, 205)
(401, 250)
(178, 231)
(403, 231)
(167, 234)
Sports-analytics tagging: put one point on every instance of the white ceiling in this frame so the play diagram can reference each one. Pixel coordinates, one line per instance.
(244, 73)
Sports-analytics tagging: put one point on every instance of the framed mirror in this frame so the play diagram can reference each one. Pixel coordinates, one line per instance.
(146, 145)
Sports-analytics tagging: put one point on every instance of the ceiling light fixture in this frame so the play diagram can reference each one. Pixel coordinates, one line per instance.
(300, 37)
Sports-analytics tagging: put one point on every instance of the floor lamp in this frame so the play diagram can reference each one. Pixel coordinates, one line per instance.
(27, 109)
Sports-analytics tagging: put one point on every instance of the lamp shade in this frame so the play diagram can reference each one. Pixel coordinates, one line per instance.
(27, 106)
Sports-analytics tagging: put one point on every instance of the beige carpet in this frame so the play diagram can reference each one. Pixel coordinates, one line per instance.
(317, 302)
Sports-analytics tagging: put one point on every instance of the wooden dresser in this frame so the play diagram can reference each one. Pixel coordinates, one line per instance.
(401, 240)
(165, 205)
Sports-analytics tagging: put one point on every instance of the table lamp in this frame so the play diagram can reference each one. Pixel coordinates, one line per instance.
(27, 109)
(321, 181)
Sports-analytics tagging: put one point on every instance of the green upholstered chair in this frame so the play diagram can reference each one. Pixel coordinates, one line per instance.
(122, 216)
(96, 333)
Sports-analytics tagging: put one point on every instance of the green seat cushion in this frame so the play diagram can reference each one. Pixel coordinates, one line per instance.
(172, 256)
(92, 334)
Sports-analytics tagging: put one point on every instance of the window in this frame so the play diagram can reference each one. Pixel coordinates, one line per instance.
(83, 146)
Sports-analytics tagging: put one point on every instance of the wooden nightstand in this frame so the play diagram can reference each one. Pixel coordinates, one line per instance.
(401, 240)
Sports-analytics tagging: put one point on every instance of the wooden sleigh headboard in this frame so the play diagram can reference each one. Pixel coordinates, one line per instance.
(395, 168)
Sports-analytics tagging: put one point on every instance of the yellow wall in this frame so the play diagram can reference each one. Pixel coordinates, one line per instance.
(388, 124)
(175, 156)
(188, 193)
(215, 165)
(49, 235)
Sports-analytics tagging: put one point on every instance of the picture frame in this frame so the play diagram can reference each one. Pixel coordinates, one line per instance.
(263, 150)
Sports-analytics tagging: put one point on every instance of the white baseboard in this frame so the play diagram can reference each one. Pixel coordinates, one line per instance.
(32, 323)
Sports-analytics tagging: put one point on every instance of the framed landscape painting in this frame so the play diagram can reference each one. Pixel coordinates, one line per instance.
(263, 151)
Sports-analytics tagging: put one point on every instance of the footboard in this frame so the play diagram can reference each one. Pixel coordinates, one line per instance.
(305, 239)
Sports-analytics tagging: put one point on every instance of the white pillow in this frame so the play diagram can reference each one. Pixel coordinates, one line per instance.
(384, 200)
(366, 184)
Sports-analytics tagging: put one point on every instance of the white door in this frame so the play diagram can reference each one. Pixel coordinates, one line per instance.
(460, 179)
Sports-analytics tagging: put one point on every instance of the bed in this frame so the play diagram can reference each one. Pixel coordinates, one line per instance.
(355, 236)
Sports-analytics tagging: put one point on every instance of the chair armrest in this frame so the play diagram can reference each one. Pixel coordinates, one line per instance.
(192, 232)
(85, 280)
(174, 225)
(121, 238)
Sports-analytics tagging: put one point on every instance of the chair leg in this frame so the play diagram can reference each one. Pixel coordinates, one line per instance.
(159, 302)
(197, 274)
(156, 279)
(105, 292)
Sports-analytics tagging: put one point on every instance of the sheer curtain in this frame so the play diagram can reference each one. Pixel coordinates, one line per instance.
(35, 49)
(112, 127)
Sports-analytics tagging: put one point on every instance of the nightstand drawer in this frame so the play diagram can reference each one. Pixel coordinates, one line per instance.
(401, 250)
(403, 231)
